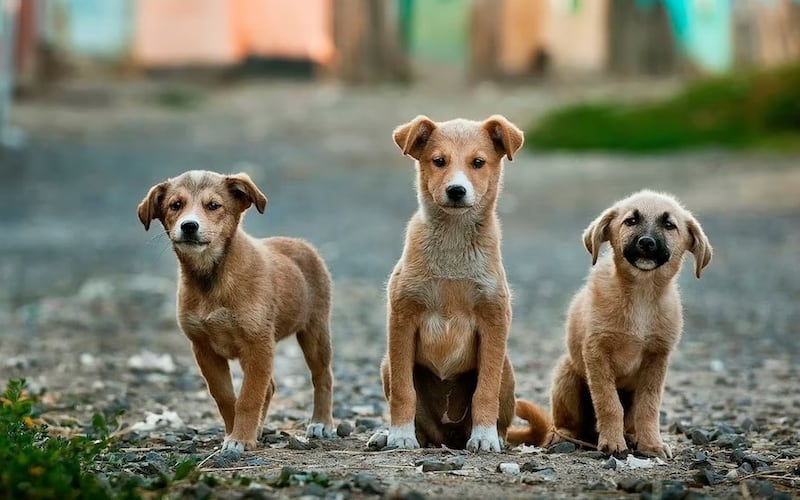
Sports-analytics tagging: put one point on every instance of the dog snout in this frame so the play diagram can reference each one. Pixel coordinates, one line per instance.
(189, 227)
(646, 243)
(456, 192)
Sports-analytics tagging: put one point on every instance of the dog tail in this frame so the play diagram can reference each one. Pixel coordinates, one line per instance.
(538, 430)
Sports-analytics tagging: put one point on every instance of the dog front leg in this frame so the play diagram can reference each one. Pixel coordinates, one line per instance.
(493, 321)
(603, 389)
(217, 372)
(402, 397)
(646, 406)
(251, 404)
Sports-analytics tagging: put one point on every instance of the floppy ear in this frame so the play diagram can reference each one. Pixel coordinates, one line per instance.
(412, 137)
(700, 246)
(507, 138)
(151, 206)
(597, 233)
(244, 189)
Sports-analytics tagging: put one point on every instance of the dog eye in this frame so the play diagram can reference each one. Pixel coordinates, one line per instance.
(439, 161)
(669, 226)
(213, 205)
(631, 221)
(175, 206)
(478, 162)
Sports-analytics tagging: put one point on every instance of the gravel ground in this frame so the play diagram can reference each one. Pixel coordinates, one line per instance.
(87, 302)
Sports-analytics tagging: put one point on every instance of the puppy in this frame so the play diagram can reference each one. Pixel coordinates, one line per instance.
(446, 374)
(622, 326)
(238, 296)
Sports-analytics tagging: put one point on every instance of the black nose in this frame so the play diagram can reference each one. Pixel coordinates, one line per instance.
(646, 244)
(190, 227)
(455, 193)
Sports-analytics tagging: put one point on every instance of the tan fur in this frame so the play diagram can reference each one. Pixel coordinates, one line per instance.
(238, 296)
(621, 328)
(446, 371)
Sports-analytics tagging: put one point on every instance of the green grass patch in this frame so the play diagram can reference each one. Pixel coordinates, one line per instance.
(748, 110)
(37, 463)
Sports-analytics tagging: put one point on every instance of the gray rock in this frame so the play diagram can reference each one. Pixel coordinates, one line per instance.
(313, 490)
(368, 483)
(510, 468)
(562, 447)
(633, 485)
(197, 491)
(297, 444)
(610, 464)
(708, 477)
(730, 441)
(533, 466)
(378, 440)
(699, 437)
(436, 465)
(602, 484)
(344, 429)
(747, 424)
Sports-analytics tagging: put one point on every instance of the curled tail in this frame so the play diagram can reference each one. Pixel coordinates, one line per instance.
(538, 430)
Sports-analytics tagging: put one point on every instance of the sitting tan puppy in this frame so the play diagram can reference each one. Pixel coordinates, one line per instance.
(446, 374)
(238, 296)
(622, 326)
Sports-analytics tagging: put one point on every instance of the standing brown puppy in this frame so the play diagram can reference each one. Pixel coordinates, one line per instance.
(623, 325)
(238, 296)
(446, 374)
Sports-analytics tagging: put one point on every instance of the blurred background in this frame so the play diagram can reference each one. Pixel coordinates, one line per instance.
(101, 99)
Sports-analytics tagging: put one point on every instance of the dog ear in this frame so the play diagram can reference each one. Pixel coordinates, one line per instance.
(412, 137)
(597, 233)
(244, 189)
(700, 246)
(151, 207)
(507, 138)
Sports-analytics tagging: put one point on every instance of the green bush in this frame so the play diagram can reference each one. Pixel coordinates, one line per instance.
(743, 110)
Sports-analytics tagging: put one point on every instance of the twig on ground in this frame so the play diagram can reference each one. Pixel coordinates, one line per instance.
(213, 453)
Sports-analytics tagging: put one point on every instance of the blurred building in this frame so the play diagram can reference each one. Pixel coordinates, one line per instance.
(364, 40)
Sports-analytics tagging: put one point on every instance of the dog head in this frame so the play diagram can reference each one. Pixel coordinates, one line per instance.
(200, 210)
(650, 232)
(459, 161)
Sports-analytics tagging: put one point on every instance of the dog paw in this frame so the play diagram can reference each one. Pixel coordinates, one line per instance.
(403, 437)
(660, 450)
(614, 446)
(319, 430)
(484, 438)
(233, 446)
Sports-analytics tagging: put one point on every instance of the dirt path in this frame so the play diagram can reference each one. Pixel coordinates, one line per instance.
(85, 288)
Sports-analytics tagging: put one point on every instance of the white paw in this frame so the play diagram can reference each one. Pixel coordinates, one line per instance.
(402, 436)
(233, 446)
(484, 438)
(318, 430)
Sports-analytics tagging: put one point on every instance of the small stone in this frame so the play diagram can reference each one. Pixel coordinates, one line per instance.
(314, 490)
(595, 454)
(533, 466)
(760, 489)
(296, 443)
(256, 461)
(730, 441)
(679, 427)
(732, 475)
(674, 490)
(344, 429)
(378, 440)
(699, 437)
(187, 447)
(725, 429)
(562, 447)
(368, 484)
(707, 477)
(509, 468)
(746, 468)
(170, 439)
(434, 465)
(747, 424)
(612, 464)
(398, 491)
(603, 484)
(632, 485)
(198, 491)
(700, 456)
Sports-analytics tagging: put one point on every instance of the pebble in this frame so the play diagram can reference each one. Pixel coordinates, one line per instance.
(199, 491)
(344, 429)
(730, 441)
(602, 484)
(368, 484)
(397, 491)
(533, 466)
(313, 490)
(509, 468)
(378, 440)
(433, 465)
(707, 477)
(732, 475)
(699, 437)
(611, 464)
(747, 424)
(562, 447)
(296, 443)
